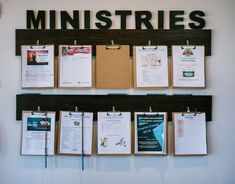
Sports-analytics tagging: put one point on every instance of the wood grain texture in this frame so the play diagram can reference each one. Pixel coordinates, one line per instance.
(128, 103)
(95, 37)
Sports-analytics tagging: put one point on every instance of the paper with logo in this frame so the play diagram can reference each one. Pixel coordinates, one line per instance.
(151, 66)
(114, 133)
(75, 66)
(75, 129)
(190, 134)
(37, 66)
(150, 133)
(35, 128)
(188, 66)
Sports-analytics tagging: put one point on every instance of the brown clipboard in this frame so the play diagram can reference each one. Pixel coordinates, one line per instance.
(174, 143)
(166, 135)
(135, 74)
(21, 138)
(113, 67)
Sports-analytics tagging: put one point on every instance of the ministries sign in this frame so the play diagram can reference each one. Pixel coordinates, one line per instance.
(177, 19)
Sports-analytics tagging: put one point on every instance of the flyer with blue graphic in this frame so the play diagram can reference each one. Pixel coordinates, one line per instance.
(150, 131)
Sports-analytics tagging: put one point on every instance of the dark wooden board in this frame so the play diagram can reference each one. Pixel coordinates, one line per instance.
(130, 37)
(129, 103)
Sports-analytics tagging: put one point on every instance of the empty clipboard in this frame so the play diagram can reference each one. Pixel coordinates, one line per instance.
(113, 67)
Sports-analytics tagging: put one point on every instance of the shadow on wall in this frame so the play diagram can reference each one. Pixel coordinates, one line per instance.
(1, 137)
(158, 163)
(1, 10)
(191, 161)
(117, 163)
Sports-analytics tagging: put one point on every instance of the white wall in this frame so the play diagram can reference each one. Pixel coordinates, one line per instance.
(218, 167)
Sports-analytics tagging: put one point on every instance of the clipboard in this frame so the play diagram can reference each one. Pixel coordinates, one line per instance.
(113, 67)
(151, 133)
(38, 134)
(189, 134)
(188, 66)
(150, 67)
(37, 66)
(75, 67)
(31, 123)
(113, 134)
(76, 129)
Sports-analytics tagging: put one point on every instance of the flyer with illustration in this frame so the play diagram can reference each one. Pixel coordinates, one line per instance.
(151, 66)
(114, 133)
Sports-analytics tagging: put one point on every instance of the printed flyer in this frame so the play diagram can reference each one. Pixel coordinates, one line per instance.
(150, 130)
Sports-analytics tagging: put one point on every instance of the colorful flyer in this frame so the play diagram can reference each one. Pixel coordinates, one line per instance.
(150, 132)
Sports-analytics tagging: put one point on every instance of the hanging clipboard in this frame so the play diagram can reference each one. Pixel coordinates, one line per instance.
(113, 67)
(75, 133)
(150, 66)
(114, 133)
(151, 133)
(188, 66)
(189, 133)
(75, 66)
(37, 66)
(38, 133)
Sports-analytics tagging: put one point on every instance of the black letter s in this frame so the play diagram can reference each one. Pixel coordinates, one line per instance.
(196, 16)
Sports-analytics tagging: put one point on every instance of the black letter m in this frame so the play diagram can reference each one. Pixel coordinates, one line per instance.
(31, 20)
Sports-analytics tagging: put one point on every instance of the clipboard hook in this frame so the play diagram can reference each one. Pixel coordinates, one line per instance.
(113, 111)
(38, 111)
(76, 111)
(113, 46)
(74, 43)
(188, 111)
(37, 45)
(149, 44)
(188, 45)
(187, 42)
(150, 113)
